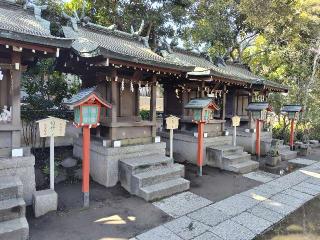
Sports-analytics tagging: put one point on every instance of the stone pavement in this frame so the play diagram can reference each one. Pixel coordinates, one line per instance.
(261, 176)
(240, 217)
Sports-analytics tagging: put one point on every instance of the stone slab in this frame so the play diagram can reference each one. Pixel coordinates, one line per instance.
(257, 194)
(252, 222)
(182, 204)
(209, 216)
(261, 176)
(314, 181)
(304, 196)
(230, 230)
(302, 161)
(44, 201)
(288, 200)
(278, 207)
(16, 229)
(208, 236)
(266, 214)
(308, 188)
(268, 189)
(186, 228)
(158, 233)
(235, 204)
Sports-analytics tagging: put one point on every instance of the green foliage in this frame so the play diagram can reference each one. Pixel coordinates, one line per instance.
(145, 114)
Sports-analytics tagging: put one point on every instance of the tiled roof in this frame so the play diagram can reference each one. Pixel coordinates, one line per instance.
(120, 45)
(19, 24)
(230, 71)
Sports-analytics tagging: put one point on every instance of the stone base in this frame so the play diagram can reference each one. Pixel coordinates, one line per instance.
(185, 146)
(104, 161)
(44, 201)
(273, 161)
(23, 167)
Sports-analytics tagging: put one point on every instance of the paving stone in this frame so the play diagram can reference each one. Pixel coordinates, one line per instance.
(209, 216)
(186, 228)
(278, 207)
(266, 214)
(298, 194)
(257, 194)
(182, 204)
(315, 181)
(302, 161)
(158, 233)
(307, 185)
(252, 222)
(303, 189)
(288, 200)
(230, 230)
(268, 189)
(261, 176)
(208, 236)
(279, 184)
(235, 204)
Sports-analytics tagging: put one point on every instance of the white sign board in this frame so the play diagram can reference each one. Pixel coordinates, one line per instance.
(172, 122)
(235, 121)
(52, 127)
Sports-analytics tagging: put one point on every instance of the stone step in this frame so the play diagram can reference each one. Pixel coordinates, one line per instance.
(284, 147)
(227, 149)
(236, 158)
(145, 163)
(159, 175)
(10, 187)
(16, 229)
(12, 208)
(164, 189)
(288, 155)
(243, 167)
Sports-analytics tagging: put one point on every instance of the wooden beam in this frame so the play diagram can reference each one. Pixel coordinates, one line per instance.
(28, 46)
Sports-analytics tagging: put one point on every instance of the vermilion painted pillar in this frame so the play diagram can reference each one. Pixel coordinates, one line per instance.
(200, 146)
(292, 134)
(258, 139)
(86, 166)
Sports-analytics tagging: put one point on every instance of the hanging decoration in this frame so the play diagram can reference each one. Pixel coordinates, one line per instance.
(1, 75)
(122, 85)
(140, 88)
(131, 87)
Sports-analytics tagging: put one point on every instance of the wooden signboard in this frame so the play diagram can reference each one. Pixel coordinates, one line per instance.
(52, 127)
(172, 122)
(235, 121)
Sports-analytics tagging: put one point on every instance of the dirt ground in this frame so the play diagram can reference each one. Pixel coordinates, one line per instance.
(115, 214)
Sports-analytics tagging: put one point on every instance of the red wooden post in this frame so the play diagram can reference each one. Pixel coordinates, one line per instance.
(292, 134)
(258, 139)
(200, 146)
(86, 165)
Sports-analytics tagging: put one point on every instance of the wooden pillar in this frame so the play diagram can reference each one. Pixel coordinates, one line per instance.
(224, 101)
(115, 104)
(153, 105)
(137, 100)
(202, 89)
(15, 88)
(251, 120)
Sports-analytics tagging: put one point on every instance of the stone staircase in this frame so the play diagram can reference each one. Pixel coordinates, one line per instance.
(231, 158)
(13, 224)
(152, 177)
(286, 153)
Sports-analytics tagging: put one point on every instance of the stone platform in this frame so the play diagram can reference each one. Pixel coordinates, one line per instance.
(23, 167)
(185, 146)
(143, 170)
